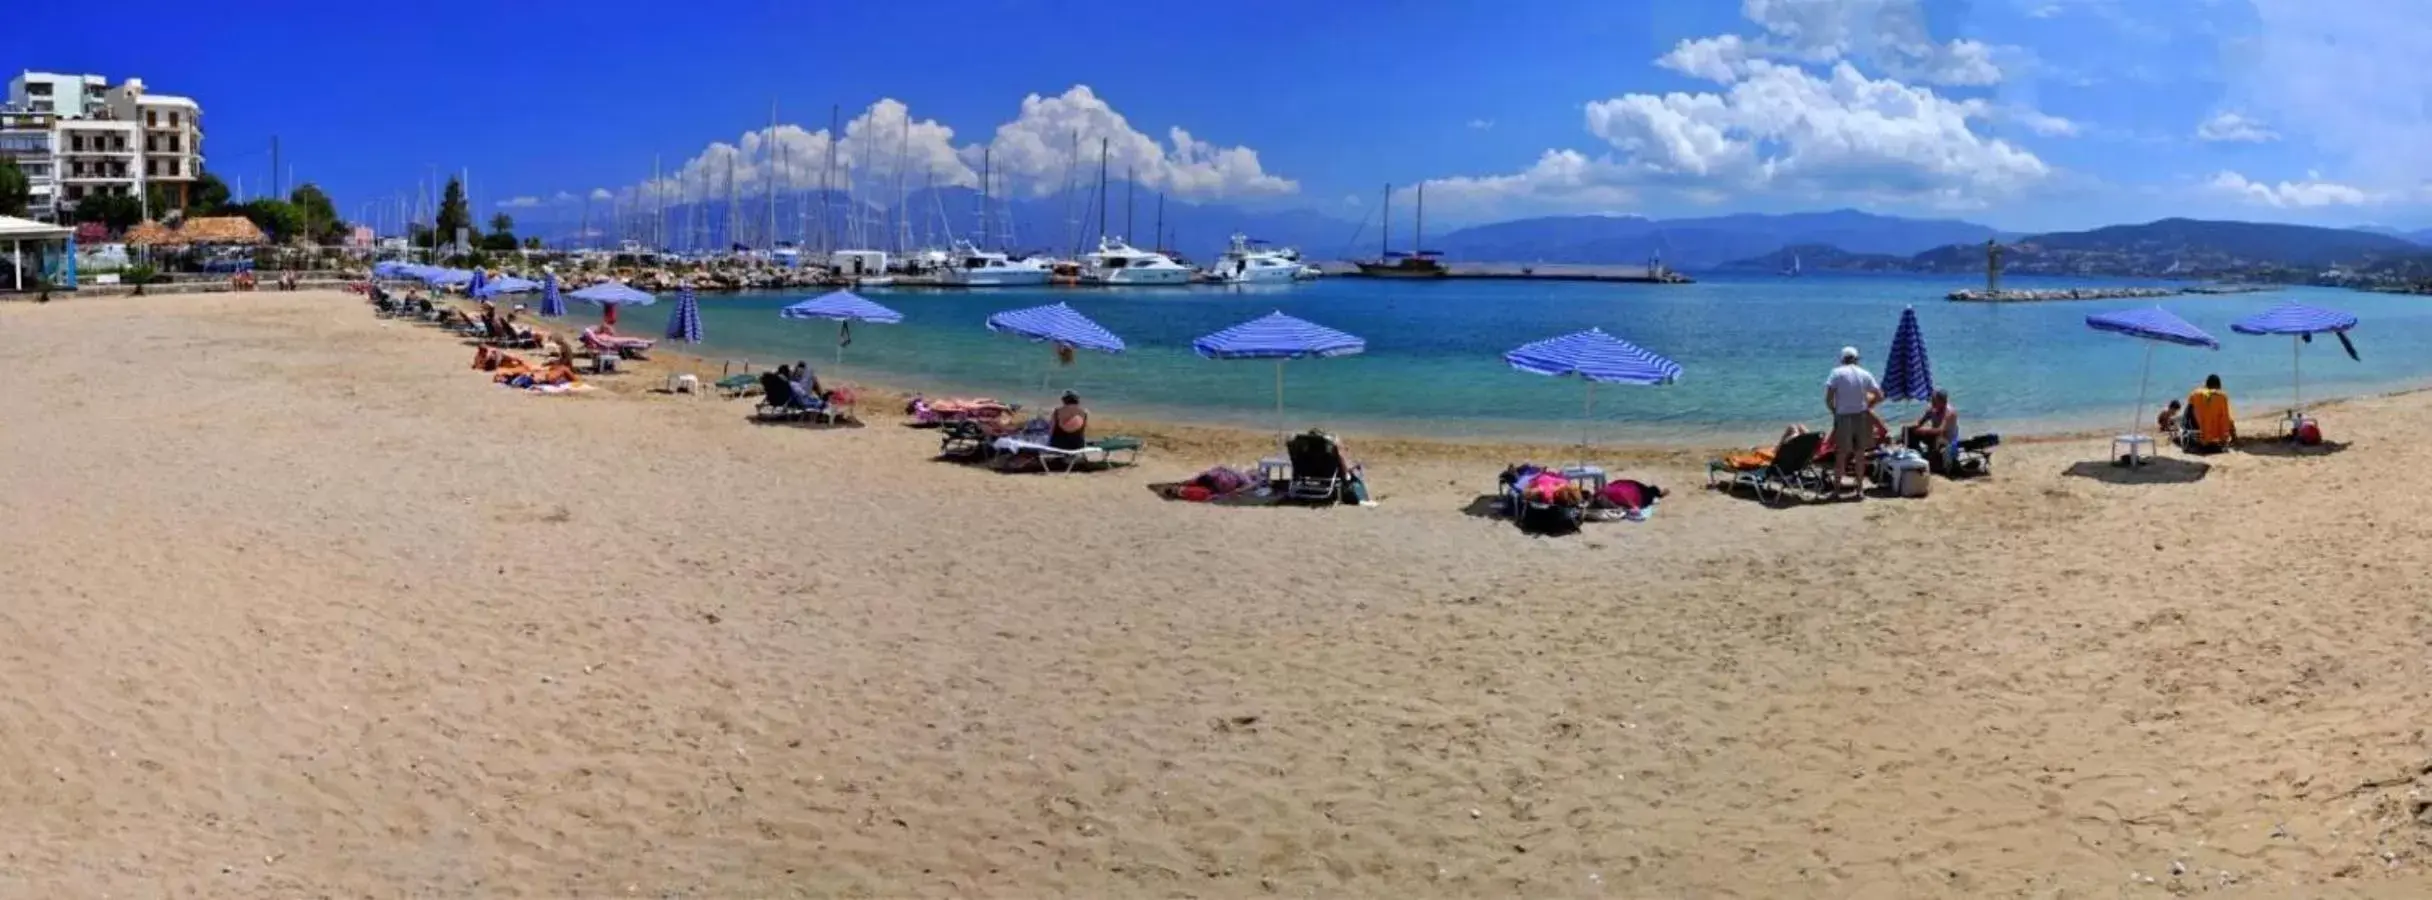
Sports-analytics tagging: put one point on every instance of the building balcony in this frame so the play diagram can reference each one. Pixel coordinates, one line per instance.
(97, 179)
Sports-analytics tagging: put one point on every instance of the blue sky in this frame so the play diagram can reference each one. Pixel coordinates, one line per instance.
(2024, 114)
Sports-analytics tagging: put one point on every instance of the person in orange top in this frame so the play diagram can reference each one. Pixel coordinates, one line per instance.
(2208, 412)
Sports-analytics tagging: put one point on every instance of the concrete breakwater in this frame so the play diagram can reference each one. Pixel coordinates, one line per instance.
(2097, 293)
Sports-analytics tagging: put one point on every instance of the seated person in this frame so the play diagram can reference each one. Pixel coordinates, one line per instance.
(1069, 424)
(807, 381)
(2210, 423)
(1935, 431)
(777, 389)
(2170, 420)
(1355, 480)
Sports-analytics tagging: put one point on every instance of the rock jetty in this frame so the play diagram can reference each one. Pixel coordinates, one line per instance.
(2096, 293)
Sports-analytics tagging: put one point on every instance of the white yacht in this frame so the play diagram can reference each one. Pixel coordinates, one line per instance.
(1118, 263)
(1245, 262)
(970, 266)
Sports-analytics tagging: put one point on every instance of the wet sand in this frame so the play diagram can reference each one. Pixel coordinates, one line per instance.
(299, 605)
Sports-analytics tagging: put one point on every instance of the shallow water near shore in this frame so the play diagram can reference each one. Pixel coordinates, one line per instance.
(1754, 350)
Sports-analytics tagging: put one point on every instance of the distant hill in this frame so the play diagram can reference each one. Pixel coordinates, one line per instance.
(2180, 247)
(1698, 243)
(1820, 258)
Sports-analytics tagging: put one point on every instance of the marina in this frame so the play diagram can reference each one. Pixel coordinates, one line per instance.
(2098, 293)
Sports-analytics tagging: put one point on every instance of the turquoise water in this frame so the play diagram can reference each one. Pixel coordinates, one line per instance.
(1754, 348)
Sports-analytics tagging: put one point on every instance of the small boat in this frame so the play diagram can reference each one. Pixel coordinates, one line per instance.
(1793, 271)
(1117, 264)
(1245, 262)
(972, 267)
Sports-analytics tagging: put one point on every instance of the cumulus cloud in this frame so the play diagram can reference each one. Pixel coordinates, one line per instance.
(1052, 141)
(1482, 124)
(1890, 34)
(2311, 193)
(526, 202)
(1055, 139)
(602, 194)
(2233, 127)
(2042, 124)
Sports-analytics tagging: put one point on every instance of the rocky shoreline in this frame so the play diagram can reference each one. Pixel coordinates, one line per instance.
(2120, 293)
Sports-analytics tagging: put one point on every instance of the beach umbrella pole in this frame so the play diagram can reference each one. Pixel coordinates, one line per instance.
(1279, 403)
(2143, 380)
(2296, 384)
(1587, 418)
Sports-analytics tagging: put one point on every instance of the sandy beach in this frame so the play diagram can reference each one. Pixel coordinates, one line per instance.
(298, 605)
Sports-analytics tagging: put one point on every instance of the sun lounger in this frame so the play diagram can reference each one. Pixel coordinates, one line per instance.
(738, 384)
(1317, 471)
(1096, 453)
(1792, 468)
(629, 348)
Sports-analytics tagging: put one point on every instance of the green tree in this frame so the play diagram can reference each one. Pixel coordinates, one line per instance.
(502, 233)
(277, 218)
(208, 196)
(116, 212)
(321, 222)
(532, 243)
(502, 223)
(15, 191)
(452, 212)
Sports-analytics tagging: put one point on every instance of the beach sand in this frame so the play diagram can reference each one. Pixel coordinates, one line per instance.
(296, 604)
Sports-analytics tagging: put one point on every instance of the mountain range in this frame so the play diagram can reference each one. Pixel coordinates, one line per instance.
(1844, 239)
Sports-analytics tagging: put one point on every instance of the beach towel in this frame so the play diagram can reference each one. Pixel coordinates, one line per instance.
(1749, 460)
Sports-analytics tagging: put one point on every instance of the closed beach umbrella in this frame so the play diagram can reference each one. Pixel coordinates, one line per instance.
(843, 308)
(1906, 374)
(609, 295)
(1281, 338)
(1059, 324)
(684, 322)
(479, 285)
(1593, 356)
(552, 304)
(2300, 323)
(2155, 326)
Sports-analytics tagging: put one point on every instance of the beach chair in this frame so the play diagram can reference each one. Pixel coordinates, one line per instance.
(1317, 471)
(780, 402)
(1793, 467)
(966, 440)
(737, 385)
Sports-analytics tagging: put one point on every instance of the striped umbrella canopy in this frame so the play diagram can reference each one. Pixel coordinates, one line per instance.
(1593, 356)
(1906, 373)
(2155, 326)
(1281, 338)
(508, 284)
(552, 304)
(684, 322)
(446, 276)
(608, 295)
(1058, 324)
(2300, 322)
(843, 308)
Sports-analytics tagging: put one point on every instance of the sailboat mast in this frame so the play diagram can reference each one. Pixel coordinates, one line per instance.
(827, 178)
(987, 164)
(658, 209)
(1418, 230)
(903, 160)
(1384, 218)
(768, 154)
(1131, 184)
(1160, 242)
(732, 210)
(1101, 190)
(1072, 163)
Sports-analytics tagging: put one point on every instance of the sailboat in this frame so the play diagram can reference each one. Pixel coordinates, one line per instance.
(1417, 263)
(1793, 271)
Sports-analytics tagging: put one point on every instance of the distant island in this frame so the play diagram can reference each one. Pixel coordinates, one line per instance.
(2193, 249)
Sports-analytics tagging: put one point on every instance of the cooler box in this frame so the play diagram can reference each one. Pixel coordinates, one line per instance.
(1907, 474)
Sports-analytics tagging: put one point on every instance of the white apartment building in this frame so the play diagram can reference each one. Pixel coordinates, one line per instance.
(27, 139)
(101, 140)
(67, 96)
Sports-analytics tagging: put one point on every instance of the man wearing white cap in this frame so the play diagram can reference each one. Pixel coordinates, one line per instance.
(1851, 393)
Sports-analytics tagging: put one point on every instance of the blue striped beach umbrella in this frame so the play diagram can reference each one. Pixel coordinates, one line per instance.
(551, 303)
(684, 322)
(509, 284)
(843, 308)
(1906, 373)
(1280, 338)
(478, 285)
(1058, 324)
(608, 295)
(2301, 323)
(2155, 326)
(1593, 356)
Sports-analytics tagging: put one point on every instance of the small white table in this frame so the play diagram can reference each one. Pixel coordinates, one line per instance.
(1589, 477)
(2139, 448)
(1273, 469)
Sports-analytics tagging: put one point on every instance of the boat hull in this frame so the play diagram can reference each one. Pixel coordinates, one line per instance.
(1374, 270)
(1139, 277)
(994, 277)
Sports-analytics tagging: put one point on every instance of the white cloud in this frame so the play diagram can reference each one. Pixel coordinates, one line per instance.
(1352, 200)
(2346, 79)
(2308, 194)
(1776, 128)
(1482, 124)
(601, 194)
(2043, 124)
(1056, 139)
(2230, 126)
(1721, 58)
(1891, 34)
(519, 203)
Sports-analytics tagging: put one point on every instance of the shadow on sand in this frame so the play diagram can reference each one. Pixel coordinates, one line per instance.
(2286, 448)
(2157, 470)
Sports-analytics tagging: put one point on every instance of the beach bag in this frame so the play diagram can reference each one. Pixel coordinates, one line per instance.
(2308, 433)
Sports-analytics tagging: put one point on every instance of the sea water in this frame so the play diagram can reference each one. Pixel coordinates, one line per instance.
(1754, 352)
